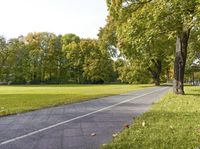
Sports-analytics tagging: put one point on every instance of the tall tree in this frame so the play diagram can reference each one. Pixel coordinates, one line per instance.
(18, 61)
(193, 59)
(73, 58)
(173, 18)
(4, 53)
(97, 65)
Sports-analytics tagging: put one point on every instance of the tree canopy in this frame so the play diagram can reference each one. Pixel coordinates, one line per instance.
(148, 29)
(47, 58)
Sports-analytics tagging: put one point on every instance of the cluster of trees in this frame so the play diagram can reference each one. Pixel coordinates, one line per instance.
(47, 58)
(143, 41)
(151, 34)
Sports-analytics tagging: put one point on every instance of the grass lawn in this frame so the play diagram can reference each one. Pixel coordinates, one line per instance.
(15, 99)
(172, 123)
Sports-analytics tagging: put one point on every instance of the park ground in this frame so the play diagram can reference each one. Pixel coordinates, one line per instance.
(173, 122)
(22, 98)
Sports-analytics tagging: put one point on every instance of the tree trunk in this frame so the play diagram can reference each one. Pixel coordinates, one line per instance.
(157, 81)
(180, 60)
(156, 73)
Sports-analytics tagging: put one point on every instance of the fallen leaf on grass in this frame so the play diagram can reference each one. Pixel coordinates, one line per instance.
(115, 135)
(126, 125)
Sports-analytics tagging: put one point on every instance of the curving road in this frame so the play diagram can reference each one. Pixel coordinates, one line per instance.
(71, 126)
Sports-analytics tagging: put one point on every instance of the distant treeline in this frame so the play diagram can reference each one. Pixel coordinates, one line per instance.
(47, 58)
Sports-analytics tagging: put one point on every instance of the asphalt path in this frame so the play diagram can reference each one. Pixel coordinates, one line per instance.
(85, 125)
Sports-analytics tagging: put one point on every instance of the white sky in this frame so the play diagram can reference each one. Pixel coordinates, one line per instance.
(82, 17)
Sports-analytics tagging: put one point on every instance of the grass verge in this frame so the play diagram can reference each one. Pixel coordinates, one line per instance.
(172, 123)
(16, 99)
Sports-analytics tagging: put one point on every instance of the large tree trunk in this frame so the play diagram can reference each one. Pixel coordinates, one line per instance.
(180, 60)
(157, 80)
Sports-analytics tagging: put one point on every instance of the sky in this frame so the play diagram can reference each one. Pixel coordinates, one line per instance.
(81, 17)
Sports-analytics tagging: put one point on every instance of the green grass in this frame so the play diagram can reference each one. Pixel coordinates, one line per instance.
(172, 123)
(16, 99)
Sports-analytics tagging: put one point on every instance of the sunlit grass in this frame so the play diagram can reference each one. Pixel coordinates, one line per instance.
(173, 123)
(15, 99)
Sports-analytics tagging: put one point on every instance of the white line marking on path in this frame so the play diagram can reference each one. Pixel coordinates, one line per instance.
(78, 117)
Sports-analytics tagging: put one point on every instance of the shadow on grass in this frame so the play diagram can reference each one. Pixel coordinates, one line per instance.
(193, 94)
(166, 85)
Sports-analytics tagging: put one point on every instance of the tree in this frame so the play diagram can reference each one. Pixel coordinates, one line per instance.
(4, 53)
(107, 38)
(32, 41)
(60, 60)
(49, 56)
(131, 72)
(97, 64)
(193, 59)
(18, 61)
(46, 58)
(73, 58)
(172, 18)
(45, 52)
(139, 46)
(148, 55)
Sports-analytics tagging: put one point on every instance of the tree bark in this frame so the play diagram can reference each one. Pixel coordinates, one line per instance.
(180, 60)
(156, 74)
(157, 81)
